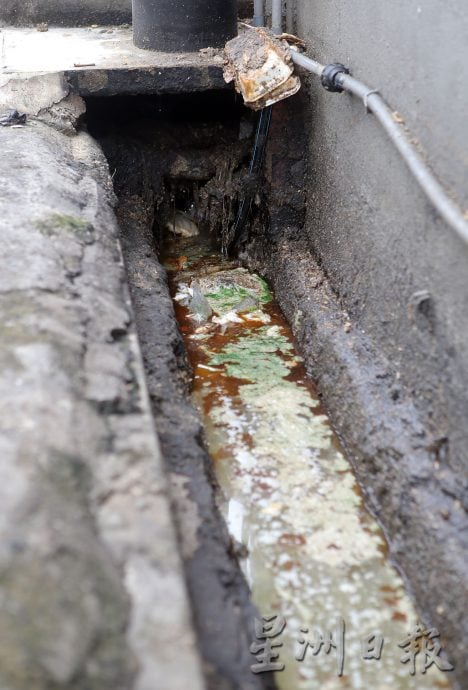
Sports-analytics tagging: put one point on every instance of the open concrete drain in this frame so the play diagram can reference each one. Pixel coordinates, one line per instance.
(313, 556)
(310, 552)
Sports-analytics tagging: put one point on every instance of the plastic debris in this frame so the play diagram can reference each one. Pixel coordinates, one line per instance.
(199, 306)
(230, 317)
(181, 224)
(261, 67)
(222, 297)
(184, 294)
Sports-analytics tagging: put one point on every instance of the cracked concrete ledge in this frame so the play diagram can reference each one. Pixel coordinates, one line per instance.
(91, 586)
(88, 62)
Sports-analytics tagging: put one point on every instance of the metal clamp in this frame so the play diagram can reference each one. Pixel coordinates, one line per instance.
(366, 96)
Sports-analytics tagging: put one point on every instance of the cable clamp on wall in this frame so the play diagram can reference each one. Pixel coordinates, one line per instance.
(330, 74)
(366, 96)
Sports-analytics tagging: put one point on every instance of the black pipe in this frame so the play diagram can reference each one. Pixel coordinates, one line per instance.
(256, 163)
(183, 25)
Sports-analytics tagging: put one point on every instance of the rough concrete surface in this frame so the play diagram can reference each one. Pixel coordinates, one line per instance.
(395, 266)
(145, 154)
(371, 279)
(97, 62)
(65, 12)
(92, 593)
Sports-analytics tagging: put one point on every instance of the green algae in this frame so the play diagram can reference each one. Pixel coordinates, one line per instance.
(60, 223)
(226, 289)
(226, 298)
(255, 356)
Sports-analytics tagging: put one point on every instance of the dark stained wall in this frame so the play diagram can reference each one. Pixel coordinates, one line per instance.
(398, 268)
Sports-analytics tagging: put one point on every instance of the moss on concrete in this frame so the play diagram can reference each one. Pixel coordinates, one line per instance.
(60, 223)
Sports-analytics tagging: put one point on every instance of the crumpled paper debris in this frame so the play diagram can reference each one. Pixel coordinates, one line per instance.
(261, 67)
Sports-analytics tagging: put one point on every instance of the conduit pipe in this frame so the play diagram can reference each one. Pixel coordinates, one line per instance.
(277, 16)
(374, 103)
(259, 13)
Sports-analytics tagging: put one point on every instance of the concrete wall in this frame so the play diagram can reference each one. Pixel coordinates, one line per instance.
(378, 239)
(77, 12)
(85, 518)
(65, 12)
(392, 368)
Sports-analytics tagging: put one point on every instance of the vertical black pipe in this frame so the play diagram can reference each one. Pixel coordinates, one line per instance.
(183, 25)
(256, 163)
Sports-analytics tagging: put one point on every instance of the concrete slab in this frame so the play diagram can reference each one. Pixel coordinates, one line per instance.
(65, 12)
(86, 519)
(103, 61)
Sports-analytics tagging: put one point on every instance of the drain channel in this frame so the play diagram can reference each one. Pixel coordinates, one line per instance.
(310, 552)
(312, 555)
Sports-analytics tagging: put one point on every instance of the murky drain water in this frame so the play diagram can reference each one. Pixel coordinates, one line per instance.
(312, 554)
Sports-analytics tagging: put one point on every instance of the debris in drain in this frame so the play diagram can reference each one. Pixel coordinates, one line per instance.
(261, 67)
(229, 296)
(181, 224)
(209, 52)
(199, 306)
(12, 118)
(248, 304)
(310, 551)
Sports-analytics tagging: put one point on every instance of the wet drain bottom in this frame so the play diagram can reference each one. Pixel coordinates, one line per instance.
(315, 559)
